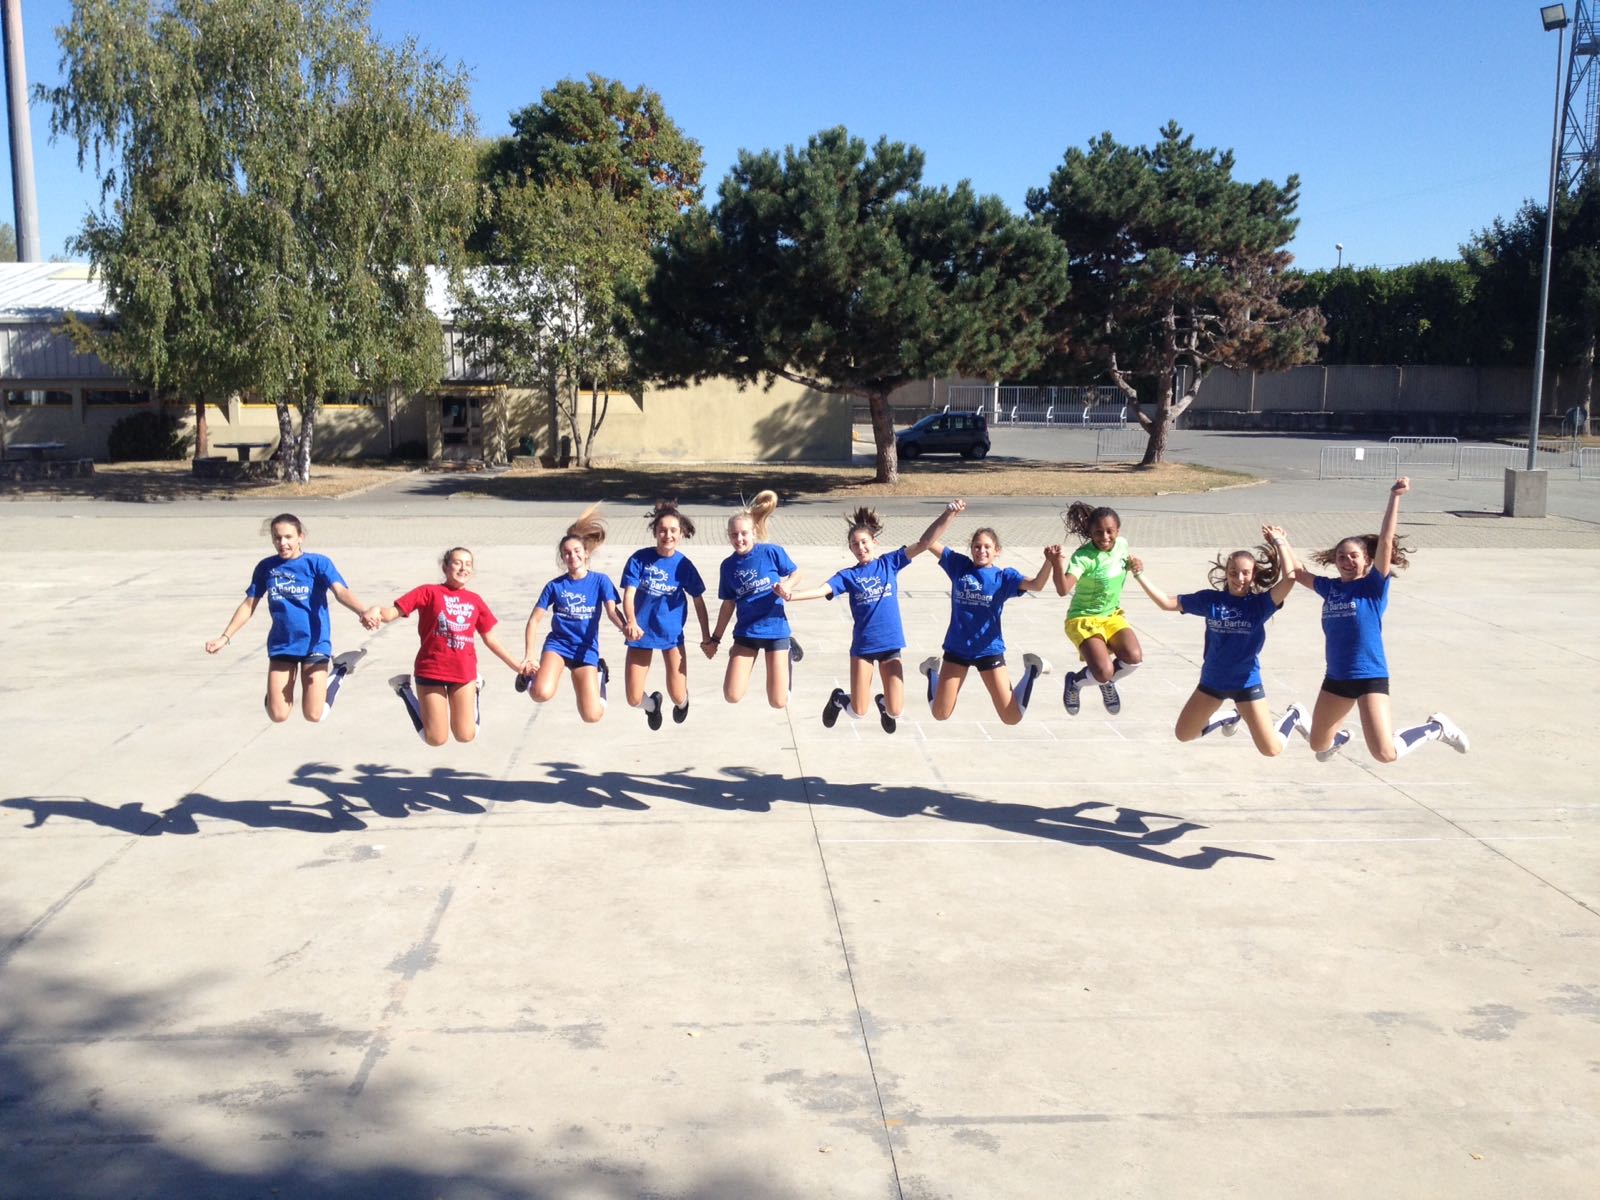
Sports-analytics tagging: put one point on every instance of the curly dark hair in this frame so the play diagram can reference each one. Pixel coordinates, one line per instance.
(863, 518)
(1269, 568)
(1080, 519)
(669, 508)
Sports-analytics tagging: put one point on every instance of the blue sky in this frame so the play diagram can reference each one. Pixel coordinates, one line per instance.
(1410, 124)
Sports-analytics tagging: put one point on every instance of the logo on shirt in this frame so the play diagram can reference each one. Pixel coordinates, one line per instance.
(576, 604)
(284, 585)
(969, 589)
(455, 622)
(657, 582)
(752, 582)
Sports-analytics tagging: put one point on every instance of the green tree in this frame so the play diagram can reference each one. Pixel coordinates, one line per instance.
(615, 139)
(1423, 313)
(274, 185)
(1174, 264)
(8, 243)
(835, 268)
(1506, 260)
(552, 314)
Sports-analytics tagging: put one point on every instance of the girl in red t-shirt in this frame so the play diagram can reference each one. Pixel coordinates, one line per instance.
(445, 698)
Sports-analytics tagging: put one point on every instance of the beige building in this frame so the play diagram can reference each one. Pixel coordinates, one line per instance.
(54, 394)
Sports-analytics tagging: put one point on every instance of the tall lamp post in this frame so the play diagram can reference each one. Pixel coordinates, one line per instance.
(1526, 491)
(1339, 246)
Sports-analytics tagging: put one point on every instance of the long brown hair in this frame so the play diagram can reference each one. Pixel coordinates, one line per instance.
(669, 508)
(1398, 559)
(759, 510)
(1080, 519)
(1269, 568)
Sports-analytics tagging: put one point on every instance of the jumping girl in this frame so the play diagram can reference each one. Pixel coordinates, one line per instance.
(1352, 622)
(1247, 589)
(1094, 575)
(574, 601)
(749, 588)
(445, 698)
(978, 591)
(877, 636)
(657, 584)
(296, 585)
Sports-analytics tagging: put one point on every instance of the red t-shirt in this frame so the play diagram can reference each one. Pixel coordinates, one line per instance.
(447, 620)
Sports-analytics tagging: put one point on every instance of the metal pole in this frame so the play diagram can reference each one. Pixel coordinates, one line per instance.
(24, 196)
(1544, 275)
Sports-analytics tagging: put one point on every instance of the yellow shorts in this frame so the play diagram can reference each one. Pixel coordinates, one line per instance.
(1081, 629)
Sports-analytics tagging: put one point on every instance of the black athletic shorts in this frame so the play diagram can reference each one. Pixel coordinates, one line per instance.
(299, 660)
(987, 663)
(879, 656)
(750, 643)
(1354, 689)
(1237, 695)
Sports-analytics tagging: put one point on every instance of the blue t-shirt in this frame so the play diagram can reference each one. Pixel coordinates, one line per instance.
(661, 601)
(874, 602)
(297, 597)
(576, 607)
(1236, 629)
(748, 580)
(1352, 622)
(977, 594)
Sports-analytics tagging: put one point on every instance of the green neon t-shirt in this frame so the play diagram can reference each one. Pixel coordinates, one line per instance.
(1101, 574)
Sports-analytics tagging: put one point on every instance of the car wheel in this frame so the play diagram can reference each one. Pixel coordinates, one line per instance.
(911, 450)
(977, 451)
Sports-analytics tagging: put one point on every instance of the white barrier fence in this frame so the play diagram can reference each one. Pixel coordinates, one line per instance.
(1128, 442)
(1097, 407)
(1447, 458)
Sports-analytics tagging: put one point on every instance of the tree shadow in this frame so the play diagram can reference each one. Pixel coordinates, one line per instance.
(77, 1123)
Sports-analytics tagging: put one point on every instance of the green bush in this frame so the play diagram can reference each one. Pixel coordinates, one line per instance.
(144, 436)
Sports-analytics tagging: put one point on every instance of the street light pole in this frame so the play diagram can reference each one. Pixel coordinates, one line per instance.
(1339, 246)
(1554, 17)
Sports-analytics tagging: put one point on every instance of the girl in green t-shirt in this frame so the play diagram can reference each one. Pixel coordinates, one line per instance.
(1094, 574)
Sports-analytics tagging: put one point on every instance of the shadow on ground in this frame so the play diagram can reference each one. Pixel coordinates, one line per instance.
(69, 1127)
(382, 793)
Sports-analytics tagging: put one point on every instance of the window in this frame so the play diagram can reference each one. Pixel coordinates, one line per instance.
(352, 400)
(108, 397)
(36, 398)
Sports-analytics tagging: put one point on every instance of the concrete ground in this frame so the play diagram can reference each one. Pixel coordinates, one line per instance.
(748, 956)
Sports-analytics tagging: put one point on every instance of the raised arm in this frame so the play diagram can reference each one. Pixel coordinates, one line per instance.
(1288, 565)
(243, 613)
(1391, 522)
(933, 537)
(1041, 577)
(1157, 597)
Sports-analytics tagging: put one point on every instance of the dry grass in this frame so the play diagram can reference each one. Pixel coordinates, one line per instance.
(525, 480)
(156, 481)
(946, 477)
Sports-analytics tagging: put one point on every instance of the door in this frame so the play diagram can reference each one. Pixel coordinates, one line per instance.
(461, 428)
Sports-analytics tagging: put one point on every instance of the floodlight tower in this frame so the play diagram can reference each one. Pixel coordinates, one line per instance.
(1580, 121)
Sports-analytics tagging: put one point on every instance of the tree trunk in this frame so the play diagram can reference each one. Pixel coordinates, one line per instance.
(285, 455)
(885, 453)
(202, 435)
(302, 454)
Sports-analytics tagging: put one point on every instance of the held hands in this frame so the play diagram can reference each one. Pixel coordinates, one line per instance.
(785, 592)
(1054, 555)
(372, 618)
(632, 631)
(1136, 565)
(1274, 534)
(709, 647)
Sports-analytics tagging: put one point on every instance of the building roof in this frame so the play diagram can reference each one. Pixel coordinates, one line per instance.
(32, 292)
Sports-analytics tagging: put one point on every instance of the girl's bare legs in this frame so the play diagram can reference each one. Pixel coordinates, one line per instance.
(433, 702)
(280, 691)
(741, 660)
(1327, 720)
(861, 686)
(893, 674)
(464, 711)
(548, 677)
(778, 678)
(586, 687)
(313, 690)
(1097, 657)
(951, 677)
(1264, 731)
(635, 673)
(677, 669)
(1375, 725)
(998, 681)
(1127, 651)
(1195, 715)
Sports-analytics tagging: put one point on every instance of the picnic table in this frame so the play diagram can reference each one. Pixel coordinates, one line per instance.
(35, 451)
(244, 448)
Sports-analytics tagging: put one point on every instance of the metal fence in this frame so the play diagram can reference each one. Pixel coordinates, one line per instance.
(1489, 462)
(1589, 462)
(1097, 407)
(1358, 462)
(1415, 454)
(1127, 442)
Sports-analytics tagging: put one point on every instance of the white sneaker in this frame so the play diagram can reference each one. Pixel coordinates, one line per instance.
(930, 667)
(1339, 740)
(1450, 734)
(1230, 725)
(1038, 662)
(1300, 725)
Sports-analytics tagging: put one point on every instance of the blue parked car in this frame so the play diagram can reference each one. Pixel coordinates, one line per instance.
(963, 433)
